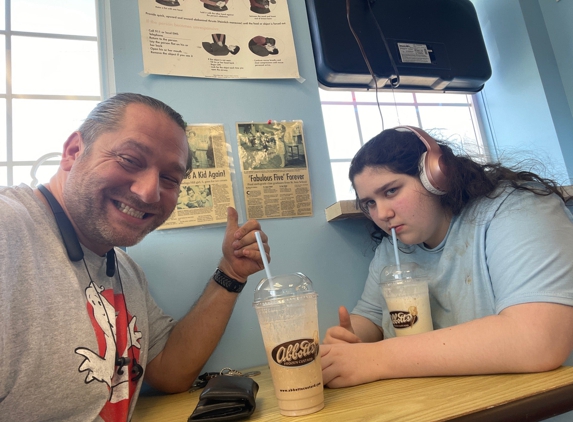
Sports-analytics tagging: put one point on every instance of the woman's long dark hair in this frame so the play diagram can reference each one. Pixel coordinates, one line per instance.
(400, 152)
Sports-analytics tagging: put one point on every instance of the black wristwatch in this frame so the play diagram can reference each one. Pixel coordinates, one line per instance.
(227, 282)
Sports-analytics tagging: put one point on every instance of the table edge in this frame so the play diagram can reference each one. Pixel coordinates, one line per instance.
(539, 407)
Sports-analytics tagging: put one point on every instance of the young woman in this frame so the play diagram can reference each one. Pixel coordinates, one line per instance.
(498, 244)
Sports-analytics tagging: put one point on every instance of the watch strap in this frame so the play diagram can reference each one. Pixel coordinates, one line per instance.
(227, 282)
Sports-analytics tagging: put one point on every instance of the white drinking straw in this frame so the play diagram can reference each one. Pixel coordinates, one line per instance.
(263, 255)
(395, 250)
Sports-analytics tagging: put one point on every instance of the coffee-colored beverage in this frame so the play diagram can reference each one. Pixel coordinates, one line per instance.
(405, 291)
(289, 324)
(409, 306)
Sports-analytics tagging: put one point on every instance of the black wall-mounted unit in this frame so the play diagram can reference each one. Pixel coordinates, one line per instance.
(437, 45)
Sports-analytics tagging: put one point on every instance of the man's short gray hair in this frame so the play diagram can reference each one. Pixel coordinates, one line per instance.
(108, 115)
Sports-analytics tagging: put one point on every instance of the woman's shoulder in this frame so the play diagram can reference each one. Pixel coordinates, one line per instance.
(508, 200)
(506, 194)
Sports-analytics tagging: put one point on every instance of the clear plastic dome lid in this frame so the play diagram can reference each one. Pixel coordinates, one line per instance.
(283, 286)
(406, 271)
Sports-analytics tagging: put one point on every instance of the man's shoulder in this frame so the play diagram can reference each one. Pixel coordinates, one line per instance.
(21, 218)
(20, 192)
(14, 200)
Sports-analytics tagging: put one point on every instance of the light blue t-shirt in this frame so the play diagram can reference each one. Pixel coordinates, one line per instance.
(512, 249)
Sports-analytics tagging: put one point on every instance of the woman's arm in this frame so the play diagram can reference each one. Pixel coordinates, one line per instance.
(531, 337)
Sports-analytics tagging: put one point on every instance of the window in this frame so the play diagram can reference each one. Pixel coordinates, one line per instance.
(352, 118)
(49, 60)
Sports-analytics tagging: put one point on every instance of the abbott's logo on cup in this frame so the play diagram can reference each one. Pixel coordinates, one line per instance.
(296, 352)
(404, 319)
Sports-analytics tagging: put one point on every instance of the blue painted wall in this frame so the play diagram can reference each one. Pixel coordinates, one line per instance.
(558, 16)
(335, 256)
(525, 99)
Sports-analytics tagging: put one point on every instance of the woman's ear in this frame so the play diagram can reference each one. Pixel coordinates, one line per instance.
(73, 147)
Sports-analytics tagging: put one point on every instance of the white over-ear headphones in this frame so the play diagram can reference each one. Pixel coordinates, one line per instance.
(432, 168)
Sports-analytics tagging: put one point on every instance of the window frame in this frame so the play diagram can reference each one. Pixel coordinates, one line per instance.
(101, 9)
(471, 102)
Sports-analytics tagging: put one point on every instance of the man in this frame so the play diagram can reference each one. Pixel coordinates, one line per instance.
(79, 327)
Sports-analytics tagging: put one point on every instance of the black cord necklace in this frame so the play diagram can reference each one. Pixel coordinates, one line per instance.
(76, 253)
(120, 361)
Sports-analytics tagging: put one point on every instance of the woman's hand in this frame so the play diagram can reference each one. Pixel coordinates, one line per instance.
(343, 333)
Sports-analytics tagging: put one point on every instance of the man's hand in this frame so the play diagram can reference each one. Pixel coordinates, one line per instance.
(241, 255)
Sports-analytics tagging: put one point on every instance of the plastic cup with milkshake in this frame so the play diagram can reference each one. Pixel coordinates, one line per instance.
(286, 307)
(405, 290)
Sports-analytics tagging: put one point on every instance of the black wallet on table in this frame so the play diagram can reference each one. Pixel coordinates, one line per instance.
(226, 398)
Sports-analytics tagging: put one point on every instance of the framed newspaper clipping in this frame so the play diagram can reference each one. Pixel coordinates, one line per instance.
(274, 167)
(205, 195)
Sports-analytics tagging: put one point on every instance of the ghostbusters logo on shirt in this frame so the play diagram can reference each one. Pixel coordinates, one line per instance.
(116, 334)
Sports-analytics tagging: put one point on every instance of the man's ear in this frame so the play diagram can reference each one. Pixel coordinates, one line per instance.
(73, 147)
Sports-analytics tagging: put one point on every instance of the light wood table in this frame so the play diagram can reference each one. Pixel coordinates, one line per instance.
(470, 398)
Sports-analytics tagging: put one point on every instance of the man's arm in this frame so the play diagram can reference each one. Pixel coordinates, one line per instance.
(195, 337)
(531, 337)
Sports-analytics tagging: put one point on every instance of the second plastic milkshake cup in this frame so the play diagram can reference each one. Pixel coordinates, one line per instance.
(405, 290)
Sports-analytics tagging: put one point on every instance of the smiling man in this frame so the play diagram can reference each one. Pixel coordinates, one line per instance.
(80, 330)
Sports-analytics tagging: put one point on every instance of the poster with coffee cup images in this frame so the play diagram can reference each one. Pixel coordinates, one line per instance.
(223, 39)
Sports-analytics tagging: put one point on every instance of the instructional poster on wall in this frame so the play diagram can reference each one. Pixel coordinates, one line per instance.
(274, 167)
(228, 39)
(205, 195)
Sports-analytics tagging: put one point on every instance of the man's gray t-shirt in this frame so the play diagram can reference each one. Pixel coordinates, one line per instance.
(61, 332)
